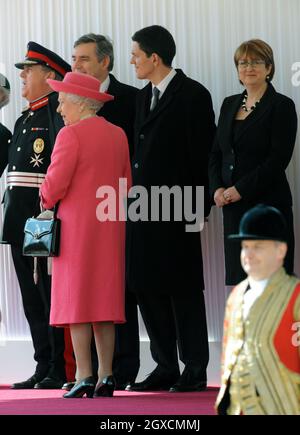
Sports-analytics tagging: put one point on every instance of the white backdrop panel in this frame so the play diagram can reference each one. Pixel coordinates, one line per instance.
(206, 32)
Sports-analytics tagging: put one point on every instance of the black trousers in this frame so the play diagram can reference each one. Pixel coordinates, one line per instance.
(48, 342)
(177, 320)
(126, 361)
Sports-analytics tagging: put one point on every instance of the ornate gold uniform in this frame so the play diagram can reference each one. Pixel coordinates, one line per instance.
(261, 354)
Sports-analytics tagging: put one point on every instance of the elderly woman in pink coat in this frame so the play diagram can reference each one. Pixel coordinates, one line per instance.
(88, 275)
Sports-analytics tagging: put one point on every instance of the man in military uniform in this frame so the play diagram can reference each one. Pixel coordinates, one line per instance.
(28, 158)
(93, 54)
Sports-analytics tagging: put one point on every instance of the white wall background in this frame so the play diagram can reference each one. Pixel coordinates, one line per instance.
(207, 32)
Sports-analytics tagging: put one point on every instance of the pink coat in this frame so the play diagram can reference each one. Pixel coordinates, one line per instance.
(88, 276)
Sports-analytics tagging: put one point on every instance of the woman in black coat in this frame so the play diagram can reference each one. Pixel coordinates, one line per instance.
(253, 147)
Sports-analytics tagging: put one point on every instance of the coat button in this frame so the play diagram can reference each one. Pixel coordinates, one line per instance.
(142, 136)
(24, 131)
(19, 149)
(10, 187)
(136, 165)
(231, 167)
(14, 168)
(9, 141)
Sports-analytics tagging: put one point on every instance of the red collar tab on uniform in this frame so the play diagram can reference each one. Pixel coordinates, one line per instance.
(39, 103)
(35, 55)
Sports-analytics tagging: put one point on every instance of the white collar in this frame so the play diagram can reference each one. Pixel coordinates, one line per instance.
(252, 294)
(162, 86)
(105, 85)
(257, 286)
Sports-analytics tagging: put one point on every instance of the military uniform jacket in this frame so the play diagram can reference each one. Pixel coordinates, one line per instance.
(28, 157)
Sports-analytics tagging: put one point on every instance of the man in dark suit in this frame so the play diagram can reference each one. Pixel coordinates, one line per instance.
(28, 157)
(93, 54)
(174, 131)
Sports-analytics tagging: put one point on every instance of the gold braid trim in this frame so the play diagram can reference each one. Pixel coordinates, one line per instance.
(274, 382)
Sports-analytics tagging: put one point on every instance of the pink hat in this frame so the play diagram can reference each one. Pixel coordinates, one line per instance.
(80, 84)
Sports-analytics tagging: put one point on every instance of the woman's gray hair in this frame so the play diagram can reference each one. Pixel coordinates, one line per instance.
(88, 102)
(4, 97)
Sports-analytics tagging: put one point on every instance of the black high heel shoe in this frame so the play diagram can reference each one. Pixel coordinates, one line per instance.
(106, 387)
(86, 386)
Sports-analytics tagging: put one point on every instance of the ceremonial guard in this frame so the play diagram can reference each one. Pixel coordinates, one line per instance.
(28, 158)
(261, 360)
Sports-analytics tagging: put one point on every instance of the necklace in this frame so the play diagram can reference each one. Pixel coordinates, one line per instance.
(245, 108)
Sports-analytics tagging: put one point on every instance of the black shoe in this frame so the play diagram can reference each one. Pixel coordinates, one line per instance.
(49, 384)
(68, 386)
(29, 384)
(106, 387)
(156, 381)
(86, 386)
(121, 386)
(190, 380)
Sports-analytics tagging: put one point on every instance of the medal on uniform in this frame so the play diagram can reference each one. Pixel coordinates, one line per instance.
(38, 145)
(37, 160)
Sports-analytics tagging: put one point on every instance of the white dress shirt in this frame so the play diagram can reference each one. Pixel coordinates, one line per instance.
(105, 85)
(254, 292)
(162, 86)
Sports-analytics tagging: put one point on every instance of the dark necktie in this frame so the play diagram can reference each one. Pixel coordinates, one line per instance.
(155, 93)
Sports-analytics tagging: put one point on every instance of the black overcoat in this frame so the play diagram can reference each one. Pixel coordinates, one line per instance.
(121, 110)
(172, 145)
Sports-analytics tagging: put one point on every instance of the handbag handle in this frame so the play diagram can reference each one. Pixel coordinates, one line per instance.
(55, 208)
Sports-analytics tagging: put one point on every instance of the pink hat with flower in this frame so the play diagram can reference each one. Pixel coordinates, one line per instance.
(80, 84)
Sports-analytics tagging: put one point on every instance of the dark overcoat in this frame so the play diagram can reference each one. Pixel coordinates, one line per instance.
(254, 159)
(172, 144)
(121, 110)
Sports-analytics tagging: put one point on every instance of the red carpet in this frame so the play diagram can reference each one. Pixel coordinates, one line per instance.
(50, 402)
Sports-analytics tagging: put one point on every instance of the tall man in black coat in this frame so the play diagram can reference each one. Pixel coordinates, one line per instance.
(174, 131)
(93, 54)
(28, 157)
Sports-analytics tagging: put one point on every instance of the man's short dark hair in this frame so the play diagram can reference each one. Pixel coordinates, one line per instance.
(156, 39)
(104, 47)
